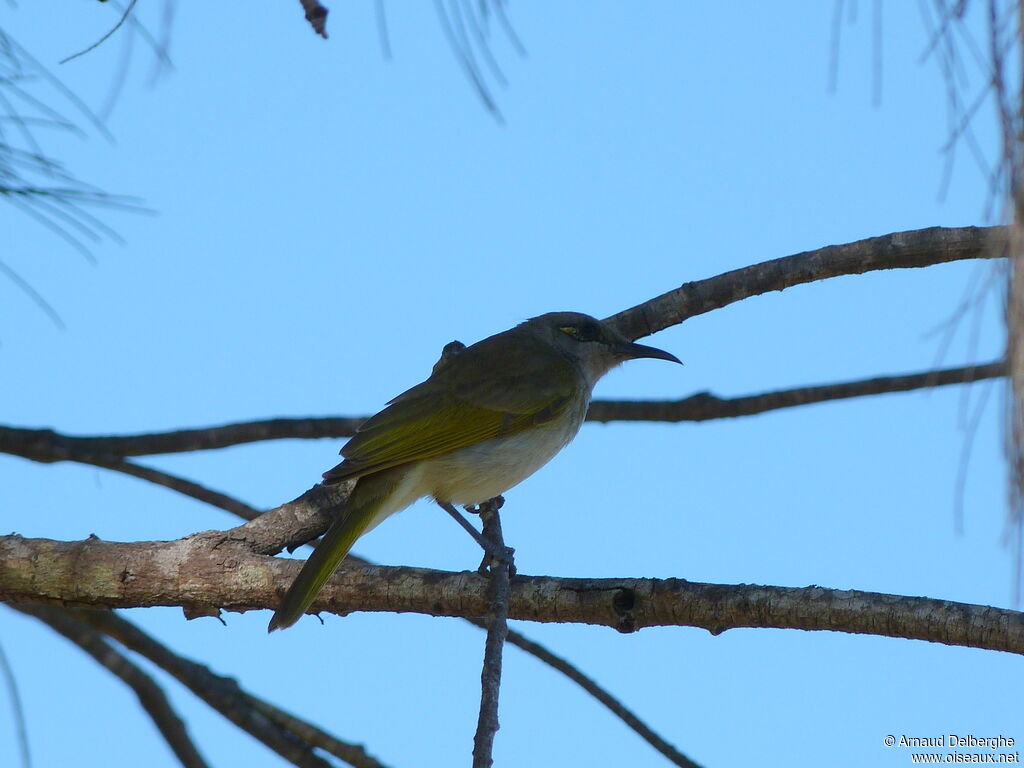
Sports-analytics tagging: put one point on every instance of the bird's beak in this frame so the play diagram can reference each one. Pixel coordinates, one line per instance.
(633, 351)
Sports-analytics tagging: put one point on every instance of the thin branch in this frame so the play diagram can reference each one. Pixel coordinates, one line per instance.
(353, 754)
(20, 729)
(319, 738)
(124, 17)
(464, 55)
(900, 250)
(181, 485)
(382, 29)
(257, 717)
(151, 696)
(617, 708)
(498, 591)
(46, 445)
(506, 25)
(315, 737)
(223, 574)
(918, 248)
(33, 294)
(588, 684)
(705, 406)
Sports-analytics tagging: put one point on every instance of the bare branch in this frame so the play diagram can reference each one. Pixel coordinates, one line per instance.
(918, 248)
(151, 696)
(705, 406)
(498, 590)
(216, 570)
(45, 445)
(17, 709)
(900, 250)
(316, 498)
(124, 17)
(257, 717)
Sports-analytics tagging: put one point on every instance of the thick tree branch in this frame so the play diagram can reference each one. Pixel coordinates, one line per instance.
(585, 682)
(211, 570)
(633, 603)
(151, 696)
(900, 250)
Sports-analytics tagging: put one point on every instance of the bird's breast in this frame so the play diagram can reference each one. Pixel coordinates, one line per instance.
(479, 472)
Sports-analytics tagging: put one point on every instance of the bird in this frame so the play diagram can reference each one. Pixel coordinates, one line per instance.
(489, 416)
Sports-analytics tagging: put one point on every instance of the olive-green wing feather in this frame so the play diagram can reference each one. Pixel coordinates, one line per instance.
(496, 388)
(359, 512)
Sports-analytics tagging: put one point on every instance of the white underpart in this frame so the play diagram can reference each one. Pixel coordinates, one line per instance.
(480, 472)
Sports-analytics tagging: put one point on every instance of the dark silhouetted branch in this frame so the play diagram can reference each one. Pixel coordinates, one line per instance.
(705, 406)
(316, 15)
(282, 732)
(900, 250)
(151, 696)
(499, 567)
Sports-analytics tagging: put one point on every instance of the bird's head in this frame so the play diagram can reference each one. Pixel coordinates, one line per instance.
(594, 346)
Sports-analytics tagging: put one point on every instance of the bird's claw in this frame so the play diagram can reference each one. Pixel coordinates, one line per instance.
(505, 556)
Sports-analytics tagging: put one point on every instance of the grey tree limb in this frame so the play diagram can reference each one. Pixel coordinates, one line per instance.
(216, 570)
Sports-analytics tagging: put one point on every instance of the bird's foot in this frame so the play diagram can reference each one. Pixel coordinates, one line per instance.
(478, 509)
(503, 556)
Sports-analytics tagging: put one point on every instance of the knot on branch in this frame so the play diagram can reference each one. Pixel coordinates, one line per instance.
(624, 605)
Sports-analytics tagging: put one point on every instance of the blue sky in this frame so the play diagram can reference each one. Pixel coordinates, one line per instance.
(325, 221)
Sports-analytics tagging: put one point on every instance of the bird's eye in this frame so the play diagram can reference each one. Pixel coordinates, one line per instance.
(583, 332)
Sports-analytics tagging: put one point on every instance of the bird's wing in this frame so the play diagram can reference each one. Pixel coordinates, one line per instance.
(472, 398)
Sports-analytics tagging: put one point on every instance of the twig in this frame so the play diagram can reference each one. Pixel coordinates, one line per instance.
(498, 591)
(20, 729)
(33, 294)
(111, 31)
(151, 696)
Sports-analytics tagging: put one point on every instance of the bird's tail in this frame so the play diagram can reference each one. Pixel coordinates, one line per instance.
(357, 515)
